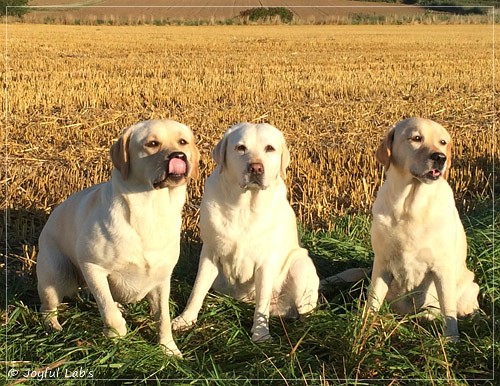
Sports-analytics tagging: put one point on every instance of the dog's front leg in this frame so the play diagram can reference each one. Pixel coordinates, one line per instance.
(263, 293)
(207, 273)
(97, 280)
(445, 283)
(380, 281)
(159, 300)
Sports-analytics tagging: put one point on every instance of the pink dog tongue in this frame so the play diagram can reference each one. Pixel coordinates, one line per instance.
(176, 166)
(435, 173)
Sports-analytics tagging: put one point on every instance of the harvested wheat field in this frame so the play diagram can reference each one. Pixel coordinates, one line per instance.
(332, 90)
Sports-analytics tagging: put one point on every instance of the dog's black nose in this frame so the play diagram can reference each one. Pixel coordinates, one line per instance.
(256, 168)
(438, 157)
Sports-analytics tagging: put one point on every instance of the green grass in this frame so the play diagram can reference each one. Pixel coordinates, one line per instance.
(333, 345)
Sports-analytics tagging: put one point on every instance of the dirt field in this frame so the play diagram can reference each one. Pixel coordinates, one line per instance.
(318, 11)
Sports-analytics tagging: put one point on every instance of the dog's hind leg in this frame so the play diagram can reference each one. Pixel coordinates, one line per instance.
(467, 295)
(351, 275)
(303, 282)
(56, 279)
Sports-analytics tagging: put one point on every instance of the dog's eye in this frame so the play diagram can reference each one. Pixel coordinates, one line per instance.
(269, 149)
(443, 142)
(152, 144)
(241, 148)
(183, 142)
(417, 138)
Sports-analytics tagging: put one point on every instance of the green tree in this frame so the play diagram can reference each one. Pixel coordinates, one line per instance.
(13, 7)
(261, 13)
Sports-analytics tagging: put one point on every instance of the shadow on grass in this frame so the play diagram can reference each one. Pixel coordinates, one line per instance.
(20, 230)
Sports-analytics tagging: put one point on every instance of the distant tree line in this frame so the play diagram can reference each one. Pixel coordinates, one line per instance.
(459, 7)
(262, 13)
(13, 7)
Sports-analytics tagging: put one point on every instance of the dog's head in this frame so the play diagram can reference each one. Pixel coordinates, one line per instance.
(158, 153)
(254, 155)
(418, 146)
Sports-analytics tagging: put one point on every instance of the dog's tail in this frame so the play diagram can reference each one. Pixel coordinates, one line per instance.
(351, 275)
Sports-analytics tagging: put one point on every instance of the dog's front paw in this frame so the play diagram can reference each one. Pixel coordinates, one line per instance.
(182, 323)
(118, 330)
(170, 348)
(260, 334)
(452, 339)
(50, 321)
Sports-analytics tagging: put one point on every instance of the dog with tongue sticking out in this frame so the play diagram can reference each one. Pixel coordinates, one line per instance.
(174, 172)
(122, 237)
(418, 239)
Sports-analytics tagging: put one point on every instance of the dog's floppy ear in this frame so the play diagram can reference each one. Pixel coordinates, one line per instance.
(384, 151)
(195, 171)
(219, 152)
(285, 159)
(448, 161)
(120, 153)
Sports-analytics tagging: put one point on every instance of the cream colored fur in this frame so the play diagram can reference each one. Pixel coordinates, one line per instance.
(122, 237)
(418, 239)
(251, 248)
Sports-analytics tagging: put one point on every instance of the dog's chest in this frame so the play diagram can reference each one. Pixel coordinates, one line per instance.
(242, 243)
(237, 268)
(410, 254)
(240, 257)
(409, 271)
(143, 259)
(135, 275)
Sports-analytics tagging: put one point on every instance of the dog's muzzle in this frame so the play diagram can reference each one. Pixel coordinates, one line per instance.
(254, 177)
(175, 171)
(438, 162)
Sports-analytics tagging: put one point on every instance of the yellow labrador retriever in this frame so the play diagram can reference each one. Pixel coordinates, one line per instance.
(122, 237)
(417, 236)
(251, 248)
